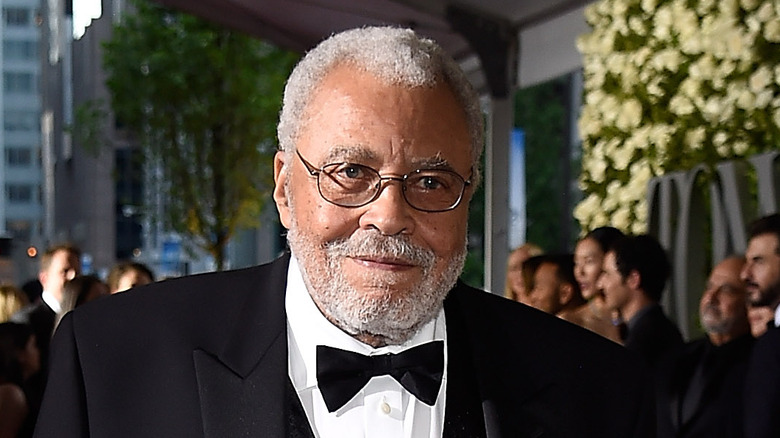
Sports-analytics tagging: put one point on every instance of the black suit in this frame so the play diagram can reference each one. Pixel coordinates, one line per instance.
(652, 335)
(207, 356)
(718, 403)
(41, 318)
(762, 391)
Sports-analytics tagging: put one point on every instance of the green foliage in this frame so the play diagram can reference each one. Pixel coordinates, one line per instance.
(87, 128)
(203, 101)
(541, 112)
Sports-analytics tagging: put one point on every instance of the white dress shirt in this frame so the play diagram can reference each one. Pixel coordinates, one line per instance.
(777, 316)
(383, 408)
(52, 302)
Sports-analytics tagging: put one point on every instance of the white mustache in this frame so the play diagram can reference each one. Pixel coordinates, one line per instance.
(364, 243)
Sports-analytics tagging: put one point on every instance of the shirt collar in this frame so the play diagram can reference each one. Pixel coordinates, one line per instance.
(777, 316)
(309, 328)
(50, 301)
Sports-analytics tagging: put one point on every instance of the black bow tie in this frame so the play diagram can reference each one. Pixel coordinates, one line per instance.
(341, 374)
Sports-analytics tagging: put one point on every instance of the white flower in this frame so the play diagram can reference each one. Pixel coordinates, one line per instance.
(772, 31)
(622, 218)
(695, 138)
(749, 5)
(681, 105)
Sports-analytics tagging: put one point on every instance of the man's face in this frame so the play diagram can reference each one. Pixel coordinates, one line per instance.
(382, 269)
(64, 266)
(546, 294)
(723, 306)
(616, 292)
(514, 273)
(762, 270)
(131, 279)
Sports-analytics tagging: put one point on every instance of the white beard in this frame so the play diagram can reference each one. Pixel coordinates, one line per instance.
(394, 317)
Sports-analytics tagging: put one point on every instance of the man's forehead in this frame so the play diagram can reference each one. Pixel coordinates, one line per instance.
(763, 244)
(366, 154)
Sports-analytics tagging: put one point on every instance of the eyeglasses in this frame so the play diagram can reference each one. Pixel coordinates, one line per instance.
(355, 185)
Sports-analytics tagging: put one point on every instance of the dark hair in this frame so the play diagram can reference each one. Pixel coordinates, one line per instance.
(645, 255)
(529, 269)
(120, 268)
(605, 237)
(76, 291)
(564, 268)
(13, 338)
(766, 225)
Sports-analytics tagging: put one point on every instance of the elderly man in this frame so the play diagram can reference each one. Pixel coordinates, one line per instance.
(700, 388)
(762, 275)
(363, 330)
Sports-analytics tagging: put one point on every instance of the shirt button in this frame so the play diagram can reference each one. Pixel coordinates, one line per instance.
(385, 408)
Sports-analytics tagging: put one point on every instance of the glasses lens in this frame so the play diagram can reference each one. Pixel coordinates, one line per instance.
(434, 190)
(348, 184)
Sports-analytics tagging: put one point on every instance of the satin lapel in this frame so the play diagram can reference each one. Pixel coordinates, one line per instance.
(242, 383)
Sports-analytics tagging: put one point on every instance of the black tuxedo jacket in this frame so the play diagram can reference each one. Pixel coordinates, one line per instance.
(719, 411)
(762, 391)
(206, 356)
(653, 336)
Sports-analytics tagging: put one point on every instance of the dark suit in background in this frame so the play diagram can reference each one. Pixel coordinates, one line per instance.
(207, 356)
(652, 335)
(762, 391)
(707, 405)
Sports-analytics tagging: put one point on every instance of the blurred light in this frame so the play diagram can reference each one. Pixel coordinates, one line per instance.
(137, 252)
(32, 251)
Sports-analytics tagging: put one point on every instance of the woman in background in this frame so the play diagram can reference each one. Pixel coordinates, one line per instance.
(588, 263)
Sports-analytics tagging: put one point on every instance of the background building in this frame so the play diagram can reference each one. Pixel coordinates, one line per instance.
(20, 141)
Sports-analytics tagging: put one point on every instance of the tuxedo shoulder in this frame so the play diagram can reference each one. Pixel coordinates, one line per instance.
(191, 299)
(518, 327)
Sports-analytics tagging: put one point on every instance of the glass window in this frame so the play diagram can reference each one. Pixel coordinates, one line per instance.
(20, 50)
(20, 121)
(18, 156)
(19, 82)
(19, 193)
(15, 16)
(20, 229)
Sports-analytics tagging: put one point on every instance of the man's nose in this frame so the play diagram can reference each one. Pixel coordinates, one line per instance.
(389, 212)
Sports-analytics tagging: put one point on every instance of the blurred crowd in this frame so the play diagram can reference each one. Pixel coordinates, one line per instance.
(725, 384)
(30, 314)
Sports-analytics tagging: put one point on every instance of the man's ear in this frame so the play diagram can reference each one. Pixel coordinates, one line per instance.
(634, 280)
(280, 190)
(565, 293)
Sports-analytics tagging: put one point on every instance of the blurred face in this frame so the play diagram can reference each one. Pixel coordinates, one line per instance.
(383, 269)
(545, 295)
(30, 358)
(514, 273)
(64, 266)
(723, 306)
(588, 259)
(617, 294)
(762, 270)
(131, 279)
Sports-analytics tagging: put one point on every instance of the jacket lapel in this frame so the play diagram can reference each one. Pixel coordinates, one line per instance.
(241, 382)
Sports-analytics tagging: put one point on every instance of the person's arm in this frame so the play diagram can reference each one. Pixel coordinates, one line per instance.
(13, 410)
(64, 409)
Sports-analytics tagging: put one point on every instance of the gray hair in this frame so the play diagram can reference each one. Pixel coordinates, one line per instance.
(398, 56)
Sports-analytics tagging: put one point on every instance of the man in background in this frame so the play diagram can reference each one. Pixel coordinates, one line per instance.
(700, 388)
(59, 264)
(555, 290)
(636, 269)
(762, 276)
